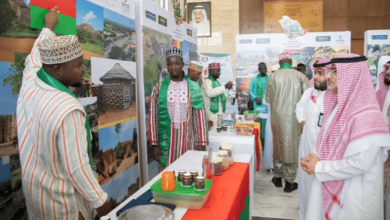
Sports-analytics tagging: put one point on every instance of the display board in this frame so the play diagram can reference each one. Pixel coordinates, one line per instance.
(158, 32)
(255, 48)
(226, 76)
(106, 31)
(376, 45)
(309, 13)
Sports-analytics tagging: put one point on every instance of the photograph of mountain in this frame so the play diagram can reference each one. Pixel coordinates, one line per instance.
(90, 24)
(119, 36)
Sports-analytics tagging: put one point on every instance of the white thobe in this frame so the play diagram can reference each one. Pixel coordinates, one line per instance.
(308, 111)
(362, 171)
(210, 92)
(268, 143)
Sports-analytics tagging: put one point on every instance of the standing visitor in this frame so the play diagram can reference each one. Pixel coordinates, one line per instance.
(257, 87)
(309, 111)
(284, 90)
(195, 71)
(301, 68)
(214, 93)
(53, 131)
(348, 161)
(177, 118)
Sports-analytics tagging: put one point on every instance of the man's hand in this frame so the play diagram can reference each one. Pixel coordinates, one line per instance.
(258, 101)
(229, 85)
(201, 148)
(103, 210)
(156, 152)
(211, 123)
(308, 164)
(387, 162)
(302, 126)
(51, 19)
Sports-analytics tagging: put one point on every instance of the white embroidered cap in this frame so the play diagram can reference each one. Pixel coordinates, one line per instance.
(60, 49)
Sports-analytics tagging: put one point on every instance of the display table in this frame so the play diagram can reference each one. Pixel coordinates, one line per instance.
(191, 160)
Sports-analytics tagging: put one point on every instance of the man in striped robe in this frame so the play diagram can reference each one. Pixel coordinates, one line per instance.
(177, 118)
(53, 132)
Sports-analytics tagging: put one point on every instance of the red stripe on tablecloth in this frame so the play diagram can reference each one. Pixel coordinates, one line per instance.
(227, 196)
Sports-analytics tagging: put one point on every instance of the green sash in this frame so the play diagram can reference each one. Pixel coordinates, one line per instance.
(286, 66)
(46, 78)
(214, 102)
(259, 86)
(164, 130)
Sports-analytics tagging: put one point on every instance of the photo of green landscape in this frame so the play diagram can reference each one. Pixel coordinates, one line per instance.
(119, 36)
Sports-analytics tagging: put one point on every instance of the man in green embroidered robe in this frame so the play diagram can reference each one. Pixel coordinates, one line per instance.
(177, 118)
(284, 90)
(214, 94)
(257, 87)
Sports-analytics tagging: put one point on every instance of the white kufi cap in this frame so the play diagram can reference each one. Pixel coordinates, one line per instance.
(60, 49)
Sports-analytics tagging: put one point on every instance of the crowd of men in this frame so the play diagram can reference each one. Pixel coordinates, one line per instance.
(335, 134)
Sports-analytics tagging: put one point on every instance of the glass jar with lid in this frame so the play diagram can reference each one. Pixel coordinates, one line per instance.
(229, 148)
(225, 159)
(216, 166)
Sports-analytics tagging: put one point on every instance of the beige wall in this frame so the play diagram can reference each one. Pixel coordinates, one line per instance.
(224, 22)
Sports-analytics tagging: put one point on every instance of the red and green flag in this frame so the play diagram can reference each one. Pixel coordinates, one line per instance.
(66, 15)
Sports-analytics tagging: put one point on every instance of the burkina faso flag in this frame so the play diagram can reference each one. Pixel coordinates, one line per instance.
(66, 15)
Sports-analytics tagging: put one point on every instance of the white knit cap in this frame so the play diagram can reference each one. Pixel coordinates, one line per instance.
(60, 49)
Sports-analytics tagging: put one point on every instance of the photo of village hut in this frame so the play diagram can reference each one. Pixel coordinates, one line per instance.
(12, 202)
(122, 187)
(119, 36)
(155, 44)
(118, 150)
(114, 85)
(90, 24)
(10, 82)
(91, 108)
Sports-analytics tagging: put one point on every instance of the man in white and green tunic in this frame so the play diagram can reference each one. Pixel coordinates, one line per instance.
(214, 94)
(257, 87)
(177, 118)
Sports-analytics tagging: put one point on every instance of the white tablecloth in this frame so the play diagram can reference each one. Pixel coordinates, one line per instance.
(191, 160)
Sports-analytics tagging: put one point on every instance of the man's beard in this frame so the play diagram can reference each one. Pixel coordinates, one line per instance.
(77, 85)
(387, 82)
(322, 86)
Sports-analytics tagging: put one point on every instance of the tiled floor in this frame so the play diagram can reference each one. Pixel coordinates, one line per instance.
(271, 202)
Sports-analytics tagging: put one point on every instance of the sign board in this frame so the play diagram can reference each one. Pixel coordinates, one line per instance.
(309, 13)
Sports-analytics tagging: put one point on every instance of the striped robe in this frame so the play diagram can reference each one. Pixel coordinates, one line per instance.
(57, 179)
(193, 132)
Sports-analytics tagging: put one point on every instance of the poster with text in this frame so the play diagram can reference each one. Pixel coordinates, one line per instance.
(253, 49)
(377, 44)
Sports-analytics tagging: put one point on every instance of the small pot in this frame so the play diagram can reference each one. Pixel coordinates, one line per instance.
(180, 177)
(200, 183)
(224, 127)
(194, 174)
(187, 181)
(219, 129)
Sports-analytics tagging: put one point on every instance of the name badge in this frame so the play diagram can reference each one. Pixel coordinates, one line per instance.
(320, 119)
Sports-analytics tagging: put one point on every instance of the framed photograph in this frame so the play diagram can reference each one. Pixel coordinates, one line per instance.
(199, 16)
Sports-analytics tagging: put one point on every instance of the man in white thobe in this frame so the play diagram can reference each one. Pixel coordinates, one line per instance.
(348, 160)
(309, 111)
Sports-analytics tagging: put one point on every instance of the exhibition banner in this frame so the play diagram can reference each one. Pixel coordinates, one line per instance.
(253, 49)
(226, 76)
(158, 32)
(377, 44)
(107, 35)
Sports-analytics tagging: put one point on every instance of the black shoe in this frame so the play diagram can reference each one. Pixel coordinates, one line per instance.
(277, 182)
(269, 171)
(289, 187)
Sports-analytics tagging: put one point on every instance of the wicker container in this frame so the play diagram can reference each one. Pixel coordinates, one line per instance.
(244, 129)
(251, 115)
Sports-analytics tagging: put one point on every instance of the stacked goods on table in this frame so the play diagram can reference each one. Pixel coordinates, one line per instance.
(188, 190)
(251, 115)
(244, 128)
